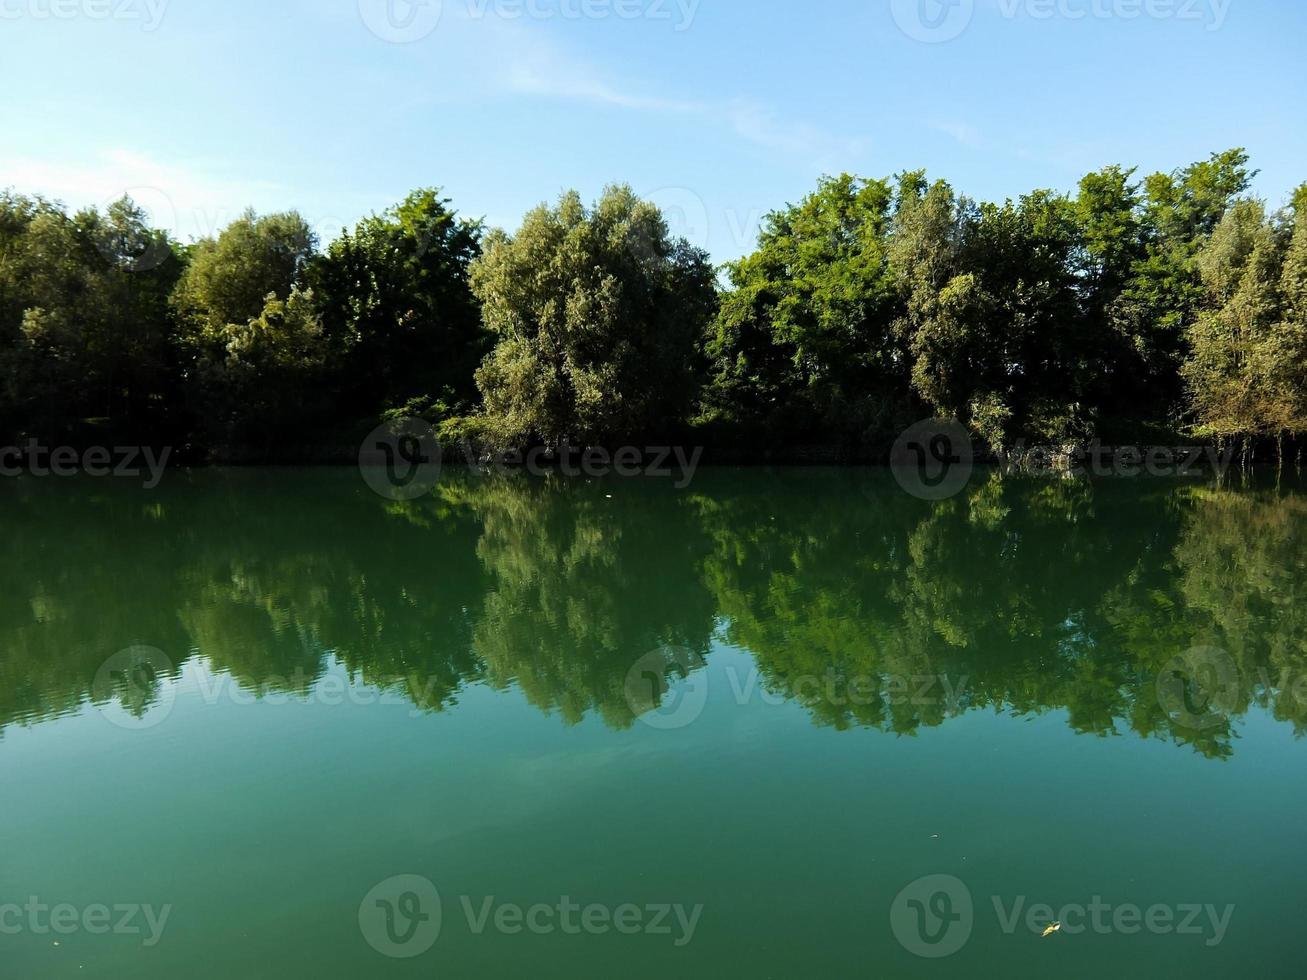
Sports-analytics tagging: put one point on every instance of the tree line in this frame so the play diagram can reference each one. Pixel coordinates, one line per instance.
(1133, 309)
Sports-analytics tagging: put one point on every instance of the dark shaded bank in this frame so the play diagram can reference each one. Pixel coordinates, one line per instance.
(1152, 454)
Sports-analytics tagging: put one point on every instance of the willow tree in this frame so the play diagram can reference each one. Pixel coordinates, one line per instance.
(1245, 373)
(1152, 315)
(598, 314)
(1287, 348)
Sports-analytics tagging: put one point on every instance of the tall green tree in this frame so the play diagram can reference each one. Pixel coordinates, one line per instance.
(403, 326)
(992, 322)
(252, 334)
(230, 277)
(1114, 237)
(1180, 211)
(85, 332)
(598, 314)
(1233, 371)
(805, 339)
(1283, 357)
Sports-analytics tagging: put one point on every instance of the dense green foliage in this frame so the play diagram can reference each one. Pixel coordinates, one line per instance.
(394, 297)
(85, 327)
(1053, 318)
(598, 316)
(251, 344)
(1131, 309)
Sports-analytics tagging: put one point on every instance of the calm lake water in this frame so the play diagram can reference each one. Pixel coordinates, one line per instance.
(775, 724)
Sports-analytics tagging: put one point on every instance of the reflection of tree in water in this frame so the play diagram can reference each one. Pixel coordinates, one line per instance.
(583, 585)
(971, 591)
(1023, 595)
(243, 623)
(68, 582)
(261, 578)
(1243, 565)
(1026, 595)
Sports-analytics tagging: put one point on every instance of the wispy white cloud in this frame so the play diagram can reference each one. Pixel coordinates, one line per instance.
(554, 80)
(189, 199)
(186, 200)
(513, 59)
(748, 120)
(760, 125)
(963, 133)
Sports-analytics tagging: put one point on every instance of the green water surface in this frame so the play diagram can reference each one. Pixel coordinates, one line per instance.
(846, 729)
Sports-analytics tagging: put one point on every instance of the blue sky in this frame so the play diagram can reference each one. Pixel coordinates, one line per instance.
(717, 109)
